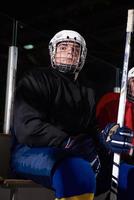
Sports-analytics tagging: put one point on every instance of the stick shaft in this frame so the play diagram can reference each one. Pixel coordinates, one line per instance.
(122, 102)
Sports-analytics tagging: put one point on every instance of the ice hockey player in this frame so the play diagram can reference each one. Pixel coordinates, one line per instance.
(56, 139)
(106, 112)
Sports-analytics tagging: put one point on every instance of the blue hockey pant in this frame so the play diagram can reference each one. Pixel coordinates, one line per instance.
(70, 177)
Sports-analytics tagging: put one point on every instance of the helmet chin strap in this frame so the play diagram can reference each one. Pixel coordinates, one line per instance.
(76, 75)
(130, 98)
(60, 68)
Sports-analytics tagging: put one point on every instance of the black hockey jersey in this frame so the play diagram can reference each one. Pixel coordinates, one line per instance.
(49, 106)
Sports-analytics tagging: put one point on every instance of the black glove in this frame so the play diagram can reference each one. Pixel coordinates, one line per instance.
(81, 143)
(83, 146)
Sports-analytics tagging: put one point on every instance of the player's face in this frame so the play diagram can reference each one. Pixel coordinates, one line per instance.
(67, 53)
(131, 86)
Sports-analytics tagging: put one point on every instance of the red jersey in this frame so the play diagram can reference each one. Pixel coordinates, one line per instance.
(107, 110)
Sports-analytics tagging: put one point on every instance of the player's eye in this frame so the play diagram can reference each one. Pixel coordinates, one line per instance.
(62, 48)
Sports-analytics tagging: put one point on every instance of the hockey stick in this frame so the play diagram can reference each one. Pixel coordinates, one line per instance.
(122, 103)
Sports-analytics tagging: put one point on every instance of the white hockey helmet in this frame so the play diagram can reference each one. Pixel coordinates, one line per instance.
(130, 86)
(131, 73)
(67, 36)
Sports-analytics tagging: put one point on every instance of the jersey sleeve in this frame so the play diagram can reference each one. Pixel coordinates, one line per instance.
(31, 113)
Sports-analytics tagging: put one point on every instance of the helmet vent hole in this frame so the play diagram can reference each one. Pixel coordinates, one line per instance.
(67, 37)
(75, 38)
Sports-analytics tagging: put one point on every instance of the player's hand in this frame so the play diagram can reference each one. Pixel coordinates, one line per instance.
(118, 139)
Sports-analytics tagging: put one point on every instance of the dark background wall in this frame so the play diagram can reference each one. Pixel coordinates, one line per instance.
(101, 22)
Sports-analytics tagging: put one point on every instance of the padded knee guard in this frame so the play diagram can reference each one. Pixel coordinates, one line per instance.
(74, 177)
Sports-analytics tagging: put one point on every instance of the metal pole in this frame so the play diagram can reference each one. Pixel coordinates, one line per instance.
(10, 84)
(117, 81)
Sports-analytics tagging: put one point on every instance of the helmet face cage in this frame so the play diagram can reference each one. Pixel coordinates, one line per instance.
(130, 85)
(130, 89)
(68, 36)
(62, 63)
